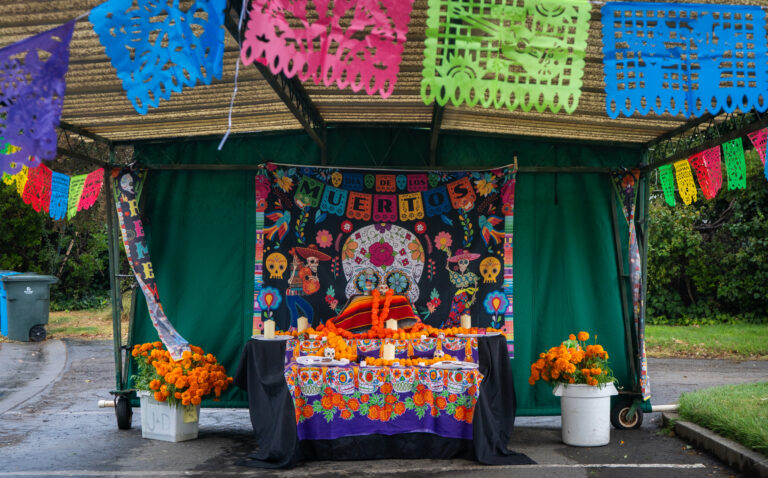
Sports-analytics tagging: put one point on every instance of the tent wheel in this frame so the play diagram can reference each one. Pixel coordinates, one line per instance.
(621, 410)
(124, 412)
(37, 333)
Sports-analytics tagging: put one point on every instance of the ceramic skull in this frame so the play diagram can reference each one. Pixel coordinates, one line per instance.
(329, 352)
(489, 269)
(386, 251)
(276, 265)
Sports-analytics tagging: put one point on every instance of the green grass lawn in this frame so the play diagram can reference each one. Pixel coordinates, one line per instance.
(729, 341)
(738, 412)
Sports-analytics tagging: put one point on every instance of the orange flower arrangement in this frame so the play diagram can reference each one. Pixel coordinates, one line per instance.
(185, 381)
(573, 362)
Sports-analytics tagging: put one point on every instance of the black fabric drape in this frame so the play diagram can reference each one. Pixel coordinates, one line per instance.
(261, 374)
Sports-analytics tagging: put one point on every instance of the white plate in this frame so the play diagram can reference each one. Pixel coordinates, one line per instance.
(470, 336)
(454, 365)
(277, 338)
(318, 361)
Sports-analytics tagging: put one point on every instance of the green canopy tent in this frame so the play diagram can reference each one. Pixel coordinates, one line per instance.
(571, 259)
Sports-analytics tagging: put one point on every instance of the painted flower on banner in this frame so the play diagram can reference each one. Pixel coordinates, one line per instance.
(346, 227)
(495, 302)
(381, 254)
(382, 227)
(443, 240)
(420, 227)
(269, 298)
(263, 187)
(324, 238)
(417, 251)
(348, 251)
(283, 180)
(485, 185)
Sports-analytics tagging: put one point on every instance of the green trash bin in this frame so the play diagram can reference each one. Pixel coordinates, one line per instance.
(27, 299)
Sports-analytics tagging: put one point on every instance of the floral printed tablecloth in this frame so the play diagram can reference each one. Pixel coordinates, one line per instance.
(332, 402)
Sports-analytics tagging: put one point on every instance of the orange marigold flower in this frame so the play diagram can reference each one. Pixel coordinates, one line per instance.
(390, 399)
(434, 412)
(338, 401)
(346, 414)
(583, 336)
(353, 404)
(418, 399)
(327, 402)
(364, 398)
(452, 397)
(441, 403)
(386, 388)
(307, 411)
(530, 381)
(459, 414)
(373, 413)
(399, 408)
(300, 402)
(195, 400)
(571, 337)
(159, 396)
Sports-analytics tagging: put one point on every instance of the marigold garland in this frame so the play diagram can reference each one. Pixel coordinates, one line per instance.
(185, 381)
(573, 362)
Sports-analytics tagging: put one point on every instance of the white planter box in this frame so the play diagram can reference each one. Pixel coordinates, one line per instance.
(161, 421)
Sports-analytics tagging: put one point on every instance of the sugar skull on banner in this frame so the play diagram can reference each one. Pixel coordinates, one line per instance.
(441, 241)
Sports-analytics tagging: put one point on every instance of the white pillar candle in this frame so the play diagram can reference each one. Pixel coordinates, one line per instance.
(303, 324)
(269, 329)
(466, 321)
(389, 351)
(391, 324)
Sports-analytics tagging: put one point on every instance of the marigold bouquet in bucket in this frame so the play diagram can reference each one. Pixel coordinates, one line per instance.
(182, 382)
(573, 362)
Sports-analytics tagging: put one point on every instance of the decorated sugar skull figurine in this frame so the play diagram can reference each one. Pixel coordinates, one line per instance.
(276, 264)
(439, 353)
(489, 269)
(329, 352)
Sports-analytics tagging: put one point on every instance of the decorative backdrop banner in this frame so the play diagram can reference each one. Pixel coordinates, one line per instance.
(443, 239)
(37, 190)
(59, 195)
(157, 49)
(127, 189)
(667, 177)
(735, 165)
(356, 44)
(32, 89)
(684, 58)
(515, 53)
(686, 186)
(708, 171)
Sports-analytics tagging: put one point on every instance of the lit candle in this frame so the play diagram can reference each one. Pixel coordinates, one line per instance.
(269, 329)
(303, 324)
(466, 321)
(391, 324)
(389, 351)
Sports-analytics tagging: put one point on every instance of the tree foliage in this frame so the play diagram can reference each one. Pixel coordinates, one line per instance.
(710, 259)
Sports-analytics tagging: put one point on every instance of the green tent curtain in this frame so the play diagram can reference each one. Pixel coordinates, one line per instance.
(200, 231)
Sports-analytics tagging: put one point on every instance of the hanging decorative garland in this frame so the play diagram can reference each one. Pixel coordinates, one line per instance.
(685, 184)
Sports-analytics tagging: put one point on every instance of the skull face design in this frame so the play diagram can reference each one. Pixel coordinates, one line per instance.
(311, 380)
(457, 381)
(424, 344)
(401, 181)
(489, 269)
(454, 344)
(432, 379)
(329, 352)
(276, 264)
(370, 379)
(336, 179)
(290, 380)
(342, 380)
(402, 379)
(310, 347)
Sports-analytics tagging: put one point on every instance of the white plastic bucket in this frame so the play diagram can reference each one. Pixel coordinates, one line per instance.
(586, 413)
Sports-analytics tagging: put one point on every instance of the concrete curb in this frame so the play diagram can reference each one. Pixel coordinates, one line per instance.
(735, 455)
(28, 368)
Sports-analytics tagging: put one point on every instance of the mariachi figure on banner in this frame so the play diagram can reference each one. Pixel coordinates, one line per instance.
(464, 280)
(303, 281)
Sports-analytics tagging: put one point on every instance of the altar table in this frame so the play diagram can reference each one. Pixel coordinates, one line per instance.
(300, 412)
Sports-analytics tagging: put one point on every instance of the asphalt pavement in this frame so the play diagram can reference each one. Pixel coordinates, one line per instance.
(50, 425)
